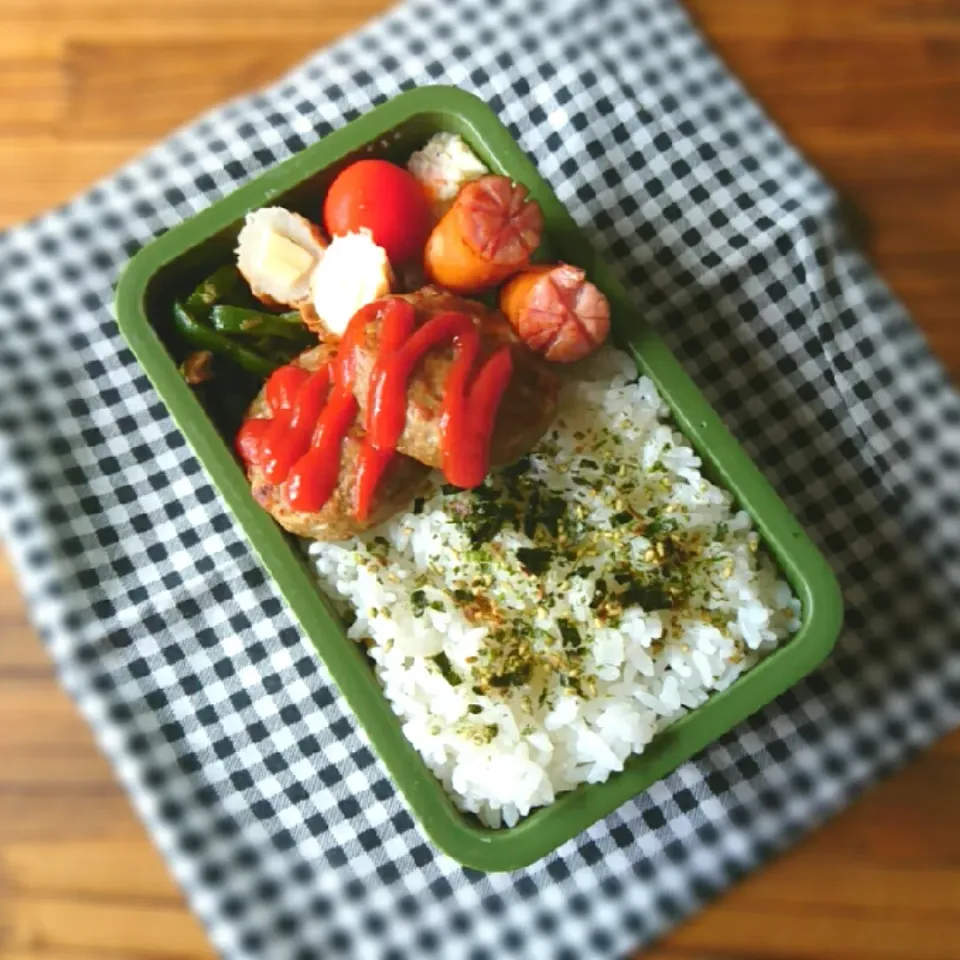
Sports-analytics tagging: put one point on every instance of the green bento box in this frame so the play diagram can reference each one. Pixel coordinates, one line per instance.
(173, 263)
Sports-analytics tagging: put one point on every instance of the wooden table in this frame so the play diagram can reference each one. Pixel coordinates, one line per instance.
(870, 89)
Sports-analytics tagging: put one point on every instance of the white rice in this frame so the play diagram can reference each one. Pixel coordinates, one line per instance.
(594, 684)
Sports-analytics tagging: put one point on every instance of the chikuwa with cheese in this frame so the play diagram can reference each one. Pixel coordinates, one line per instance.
(277, 251)
(353, 272)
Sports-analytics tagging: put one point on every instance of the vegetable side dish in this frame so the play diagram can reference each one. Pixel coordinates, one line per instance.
(541, 575)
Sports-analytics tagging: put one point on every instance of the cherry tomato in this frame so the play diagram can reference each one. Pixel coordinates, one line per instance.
(386, 200)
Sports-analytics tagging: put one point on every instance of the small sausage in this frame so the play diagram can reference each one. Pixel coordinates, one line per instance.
(556, 312)
(486, 236)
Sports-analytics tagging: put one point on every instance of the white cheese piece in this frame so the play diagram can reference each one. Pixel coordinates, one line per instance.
(354, 271)
(285, 261)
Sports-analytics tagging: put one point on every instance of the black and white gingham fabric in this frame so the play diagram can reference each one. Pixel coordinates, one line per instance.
(237, 751)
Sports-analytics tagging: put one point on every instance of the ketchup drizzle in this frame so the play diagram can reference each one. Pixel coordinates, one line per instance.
(311, 413)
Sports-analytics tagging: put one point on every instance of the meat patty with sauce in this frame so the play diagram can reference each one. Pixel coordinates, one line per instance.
(526, 410)
(400, 483)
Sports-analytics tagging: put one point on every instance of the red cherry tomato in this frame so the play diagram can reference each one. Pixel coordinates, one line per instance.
(386, 200)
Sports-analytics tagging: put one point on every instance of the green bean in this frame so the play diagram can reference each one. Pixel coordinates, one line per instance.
(242, 320)
(216, 287)
(207, 339)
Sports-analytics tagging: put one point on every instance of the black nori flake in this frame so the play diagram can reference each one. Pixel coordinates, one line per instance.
(530, 515)
(512, 678)
(654, 528)
(418, 600)
(446, 669)
(599, 594)
(536, 560)
(571, 635)
(517, 469)
(650, 596)
(489, 515)
(552, 510)
(486, 531)
(660, 526)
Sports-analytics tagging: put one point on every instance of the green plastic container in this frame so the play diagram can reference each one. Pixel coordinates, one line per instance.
(173, 263)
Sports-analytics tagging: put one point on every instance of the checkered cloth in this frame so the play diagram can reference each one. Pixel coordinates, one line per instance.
(247, 767)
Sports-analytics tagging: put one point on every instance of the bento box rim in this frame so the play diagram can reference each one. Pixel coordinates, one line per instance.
(804, 566)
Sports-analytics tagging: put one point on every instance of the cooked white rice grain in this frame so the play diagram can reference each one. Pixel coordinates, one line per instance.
(532, 635)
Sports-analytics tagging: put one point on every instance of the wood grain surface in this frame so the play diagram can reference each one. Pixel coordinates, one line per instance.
(869, 89)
